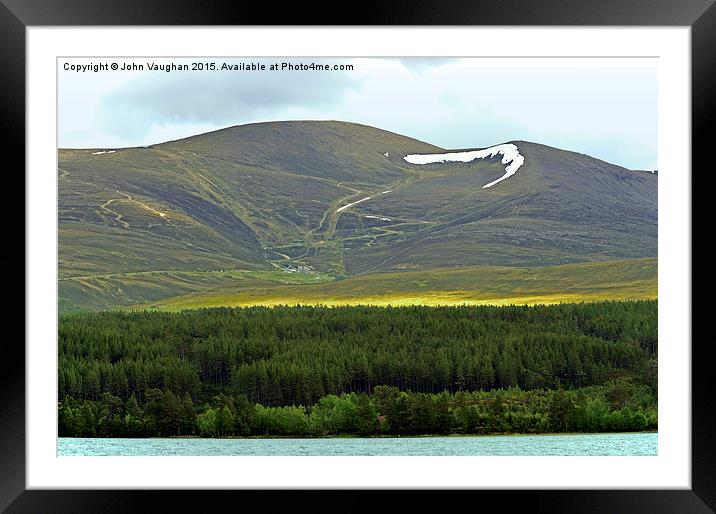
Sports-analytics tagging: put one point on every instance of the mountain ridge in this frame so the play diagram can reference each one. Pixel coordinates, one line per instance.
(337, 122)
(338, 199)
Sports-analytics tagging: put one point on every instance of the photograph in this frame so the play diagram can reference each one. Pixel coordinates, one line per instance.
(293, 253)
(357, 256)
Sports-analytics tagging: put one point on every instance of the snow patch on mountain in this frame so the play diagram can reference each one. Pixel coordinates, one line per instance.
(510, 156)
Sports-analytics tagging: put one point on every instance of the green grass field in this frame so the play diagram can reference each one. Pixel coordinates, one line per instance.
(631, 279)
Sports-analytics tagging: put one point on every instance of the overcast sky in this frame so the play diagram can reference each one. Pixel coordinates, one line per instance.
(606, 108)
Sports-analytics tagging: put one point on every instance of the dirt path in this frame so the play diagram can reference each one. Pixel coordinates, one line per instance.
(128, 198)
(117, 216)
(145, 206)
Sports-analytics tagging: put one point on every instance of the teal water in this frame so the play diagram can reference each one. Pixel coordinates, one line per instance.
(567, 444)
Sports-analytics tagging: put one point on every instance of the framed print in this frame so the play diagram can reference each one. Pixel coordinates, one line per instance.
(420, 252)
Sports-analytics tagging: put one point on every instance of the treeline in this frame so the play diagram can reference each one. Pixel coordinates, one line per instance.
(299, 356)
(388, 411)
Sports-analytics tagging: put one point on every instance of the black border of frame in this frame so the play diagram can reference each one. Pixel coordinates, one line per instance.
(16, 15)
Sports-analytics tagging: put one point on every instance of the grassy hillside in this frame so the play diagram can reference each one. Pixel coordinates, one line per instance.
(140, 225)
(612, 280)
(559, 207)
(243, 196)
(235, 198)
(100, 292)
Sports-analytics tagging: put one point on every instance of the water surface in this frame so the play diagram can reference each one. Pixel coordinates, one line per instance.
(557, 444)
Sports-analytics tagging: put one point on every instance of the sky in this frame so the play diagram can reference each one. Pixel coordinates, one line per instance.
(606, 108)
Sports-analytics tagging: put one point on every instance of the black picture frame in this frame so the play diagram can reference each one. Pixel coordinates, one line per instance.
(17, 15)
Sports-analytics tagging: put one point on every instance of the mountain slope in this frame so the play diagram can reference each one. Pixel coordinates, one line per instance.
(559, 207)
(333, 199)
(631, 279)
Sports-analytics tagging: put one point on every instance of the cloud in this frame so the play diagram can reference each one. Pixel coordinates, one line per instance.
(603, 107)
(217, 97)
(419, 65)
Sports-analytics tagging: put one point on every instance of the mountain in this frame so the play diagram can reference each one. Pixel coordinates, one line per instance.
(327, 200)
